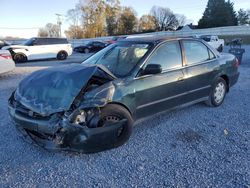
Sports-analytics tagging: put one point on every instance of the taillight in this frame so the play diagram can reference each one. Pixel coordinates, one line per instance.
(237, 63)
(6, 56)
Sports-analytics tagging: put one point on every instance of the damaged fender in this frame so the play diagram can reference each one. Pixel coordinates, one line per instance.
(58, 96)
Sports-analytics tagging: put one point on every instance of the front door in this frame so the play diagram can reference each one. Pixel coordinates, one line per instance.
(156, 93)
(38, 49)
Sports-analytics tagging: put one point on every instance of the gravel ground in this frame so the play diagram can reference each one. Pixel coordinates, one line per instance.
(196, 146)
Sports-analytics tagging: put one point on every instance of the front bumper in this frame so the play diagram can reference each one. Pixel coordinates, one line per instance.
(56, 134)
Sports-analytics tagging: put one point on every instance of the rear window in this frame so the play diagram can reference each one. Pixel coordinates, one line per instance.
(196, 52)
(207, 39)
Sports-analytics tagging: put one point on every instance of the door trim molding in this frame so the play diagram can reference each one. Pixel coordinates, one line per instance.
(172, 97)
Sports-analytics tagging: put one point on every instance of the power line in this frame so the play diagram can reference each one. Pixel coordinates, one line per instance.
(19, 27)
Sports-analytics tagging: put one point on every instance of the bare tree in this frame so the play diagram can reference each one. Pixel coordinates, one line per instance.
(50, 30)
(182, 20)
(74, 17)
(147, 23)
(42, 33)
(165, 18)
(75, 32)
(53, 30)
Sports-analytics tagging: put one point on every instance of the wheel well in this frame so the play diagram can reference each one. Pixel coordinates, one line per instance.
(20, 54)
(225, 77)
(63, 52)
(124, 106)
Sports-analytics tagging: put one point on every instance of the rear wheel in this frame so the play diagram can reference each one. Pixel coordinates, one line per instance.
(86, 51)
(19, 58)
(113, 113)
(62, 55)
(218, 93)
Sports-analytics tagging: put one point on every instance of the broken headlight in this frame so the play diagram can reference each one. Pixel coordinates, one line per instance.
(81, 118)
(86, 117)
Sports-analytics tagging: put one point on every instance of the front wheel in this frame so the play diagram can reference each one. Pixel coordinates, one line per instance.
(113, 113)
(62, 55)
(218, 93)
(19, 58)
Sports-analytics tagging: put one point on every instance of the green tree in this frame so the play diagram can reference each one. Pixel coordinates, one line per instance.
(127, 21)
(243, 17)
(93, 18)
(113, 10)
(218, 13)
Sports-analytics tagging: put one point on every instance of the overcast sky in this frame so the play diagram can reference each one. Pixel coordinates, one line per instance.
(22, 18)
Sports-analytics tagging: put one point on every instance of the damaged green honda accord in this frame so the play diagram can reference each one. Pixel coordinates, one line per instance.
(91, 107)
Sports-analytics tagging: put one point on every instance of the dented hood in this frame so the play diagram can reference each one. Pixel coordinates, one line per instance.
(54, 89)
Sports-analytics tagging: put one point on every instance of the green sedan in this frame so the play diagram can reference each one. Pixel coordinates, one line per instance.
(92, 107)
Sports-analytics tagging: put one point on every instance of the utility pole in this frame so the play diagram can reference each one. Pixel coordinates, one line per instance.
(59, 23)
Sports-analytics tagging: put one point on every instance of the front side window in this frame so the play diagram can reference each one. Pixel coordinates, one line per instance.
(167, 55)
(121, 58)
(196, 52)
(29, 42)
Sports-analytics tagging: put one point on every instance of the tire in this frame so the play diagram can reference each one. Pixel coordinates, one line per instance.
(19, 58)
(217, 93)
(62, 55)
(109, 112)
(86, 50)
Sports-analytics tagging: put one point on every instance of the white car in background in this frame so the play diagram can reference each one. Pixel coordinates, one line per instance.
(40, 48)
(214, 41)
(6, 62)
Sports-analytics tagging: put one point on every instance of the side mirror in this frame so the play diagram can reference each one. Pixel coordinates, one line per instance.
(34, 43)
(152, 69)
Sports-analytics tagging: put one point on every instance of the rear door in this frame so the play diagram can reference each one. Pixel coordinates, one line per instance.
(156, 93)
(201, 66)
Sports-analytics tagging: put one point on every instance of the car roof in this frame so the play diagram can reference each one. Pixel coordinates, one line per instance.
(49, 38)
(153, 39)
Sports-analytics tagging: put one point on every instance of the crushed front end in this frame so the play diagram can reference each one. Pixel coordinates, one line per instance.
(75, 127)
(79, 132)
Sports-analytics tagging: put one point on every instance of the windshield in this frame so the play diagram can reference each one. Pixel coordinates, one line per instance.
(120, 58)
(205, 38)
(29, 42)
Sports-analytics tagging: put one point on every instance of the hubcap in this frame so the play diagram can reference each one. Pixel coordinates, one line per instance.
(62, 56)
(219, 92)
(113, 119)
(18, 58)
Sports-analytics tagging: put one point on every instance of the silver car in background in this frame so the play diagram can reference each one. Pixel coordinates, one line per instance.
(6, 62)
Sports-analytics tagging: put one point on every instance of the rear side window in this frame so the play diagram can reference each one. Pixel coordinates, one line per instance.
(167, 55)
(51, 41)
(196, 52)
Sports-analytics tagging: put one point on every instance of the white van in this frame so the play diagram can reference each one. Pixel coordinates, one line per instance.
(40, 48)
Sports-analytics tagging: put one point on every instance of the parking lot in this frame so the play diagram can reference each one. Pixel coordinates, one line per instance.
(195, 146)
